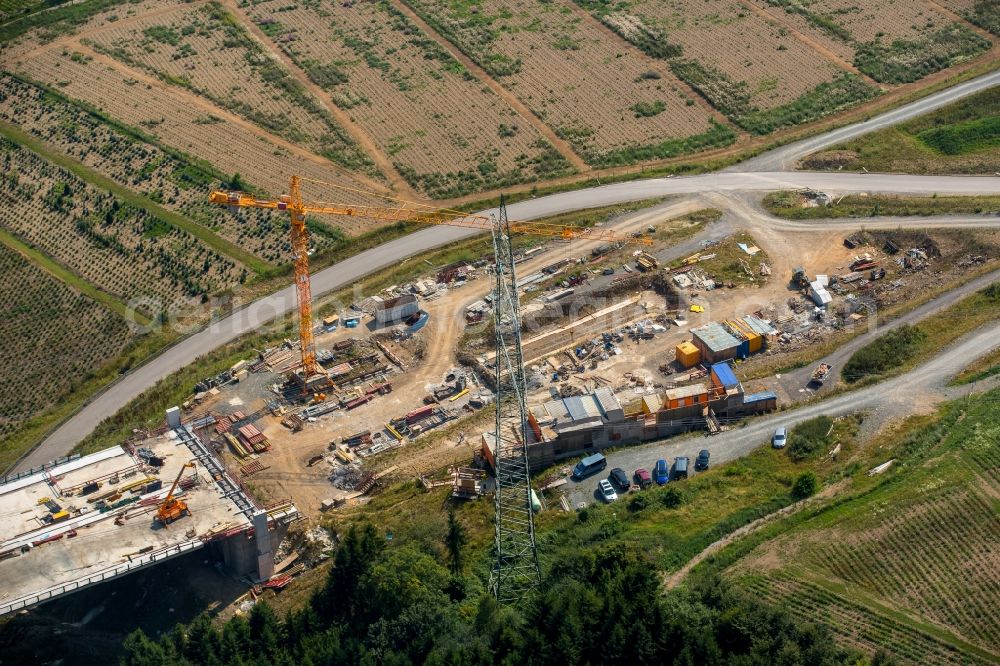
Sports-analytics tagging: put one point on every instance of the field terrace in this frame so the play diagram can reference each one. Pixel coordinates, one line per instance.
(724, 35)
(121, 249)
(983, 13)
(867, 34)
(172, 181)
(751, 68)
(207, 51)
(572, 76)
(446, 132)
(176, 118)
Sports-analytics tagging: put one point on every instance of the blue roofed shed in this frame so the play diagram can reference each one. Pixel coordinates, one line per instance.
(723, 375)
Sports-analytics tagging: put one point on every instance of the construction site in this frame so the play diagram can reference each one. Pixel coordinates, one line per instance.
(622, 337)
(623, 342)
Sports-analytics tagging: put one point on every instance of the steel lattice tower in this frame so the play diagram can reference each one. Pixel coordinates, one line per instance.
(515, 570)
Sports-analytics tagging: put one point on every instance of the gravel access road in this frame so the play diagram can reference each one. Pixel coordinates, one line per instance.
(892, 398)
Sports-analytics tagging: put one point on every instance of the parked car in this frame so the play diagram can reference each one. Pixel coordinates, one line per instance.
(608, 271)
(643, 478)
(620, 479)
(661, 472)
(589, 465)
(606, 491)
(681, 468)
(780, 438)
(701, 462)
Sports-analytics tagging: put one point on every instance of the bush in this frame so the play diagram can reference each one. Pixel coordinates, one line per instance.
(672, 497)
(887, 352)
(962, 138)
(805, 485)
(648, 109)
(809, 438)
(638, 503)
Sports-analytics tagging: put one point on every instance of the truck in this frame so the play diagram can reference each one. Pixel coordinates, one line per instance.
(820, 374)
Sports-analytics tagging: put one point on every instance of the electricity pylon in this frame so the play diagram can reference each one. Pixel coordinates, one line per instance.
(515, 569)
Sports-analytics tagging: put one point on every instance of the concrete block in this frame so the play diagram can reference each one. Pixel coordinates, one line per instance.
(174, 417)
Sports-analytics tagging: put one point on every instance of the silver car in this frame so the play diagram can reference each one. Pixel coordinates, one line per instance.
(607, 491)
(779, 438)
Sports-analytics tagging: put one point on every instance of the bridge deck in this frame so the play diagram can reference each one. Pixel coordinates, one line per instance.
(41, 560)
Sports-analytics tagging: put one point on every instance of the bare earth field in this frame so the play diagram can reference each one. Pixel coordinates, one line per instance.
(378, 66)
(573, 77)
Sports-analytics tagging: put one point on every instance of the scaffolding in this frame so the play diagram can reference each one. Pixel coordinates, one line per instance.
(515, 569)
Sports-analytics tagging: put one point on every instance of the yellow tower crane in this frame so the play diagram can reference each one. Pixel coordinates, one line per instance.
(403, 212)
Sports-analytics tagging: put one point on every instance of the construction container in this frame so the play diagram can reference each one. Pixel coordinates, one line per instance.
(687, 354)
(715, 342)
(419, 414)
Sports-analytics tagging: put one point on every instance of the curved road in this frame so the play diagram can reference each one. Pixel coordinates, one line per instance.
(119, 394)
(786, 156)
(898, 395)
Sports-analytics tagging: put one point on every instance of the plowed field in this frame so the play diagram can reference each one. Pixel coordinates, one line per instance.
(753, 69)
(207, 51)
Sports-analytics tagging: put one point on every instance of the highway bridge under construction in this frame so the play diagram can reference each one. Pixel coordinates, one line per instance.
(80, 521)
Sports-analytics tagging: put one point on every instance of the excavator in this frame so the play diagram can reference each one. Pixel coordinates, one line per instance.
(171, 508)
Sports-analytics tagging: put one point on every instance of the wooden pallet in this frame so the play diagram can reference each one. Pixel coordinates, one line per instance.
(252, 468)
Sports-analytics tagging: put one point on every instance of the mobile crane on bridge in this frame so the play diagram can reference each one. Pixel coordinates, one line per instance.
(171, 508)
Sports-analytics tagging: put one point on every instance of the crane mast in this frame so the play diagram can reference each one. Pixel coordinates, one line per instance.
(303, 288)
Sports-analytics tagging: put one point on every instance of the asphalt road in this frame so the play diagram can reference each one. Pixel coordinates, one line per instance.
(898, 396)
(787, 156)
(119, 394)
(796, 379)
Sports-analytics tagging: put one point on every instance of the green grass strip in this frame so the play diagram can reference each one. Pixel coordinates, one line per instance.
(96, 179)
(63, 274)
(69, 16)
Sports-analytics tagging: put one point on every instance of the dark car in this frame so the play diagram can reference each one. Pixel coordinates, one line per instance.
(642, 478)
(661, 472)
(608, 271)
(680, 467)
(701, 462)
(619, 478)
